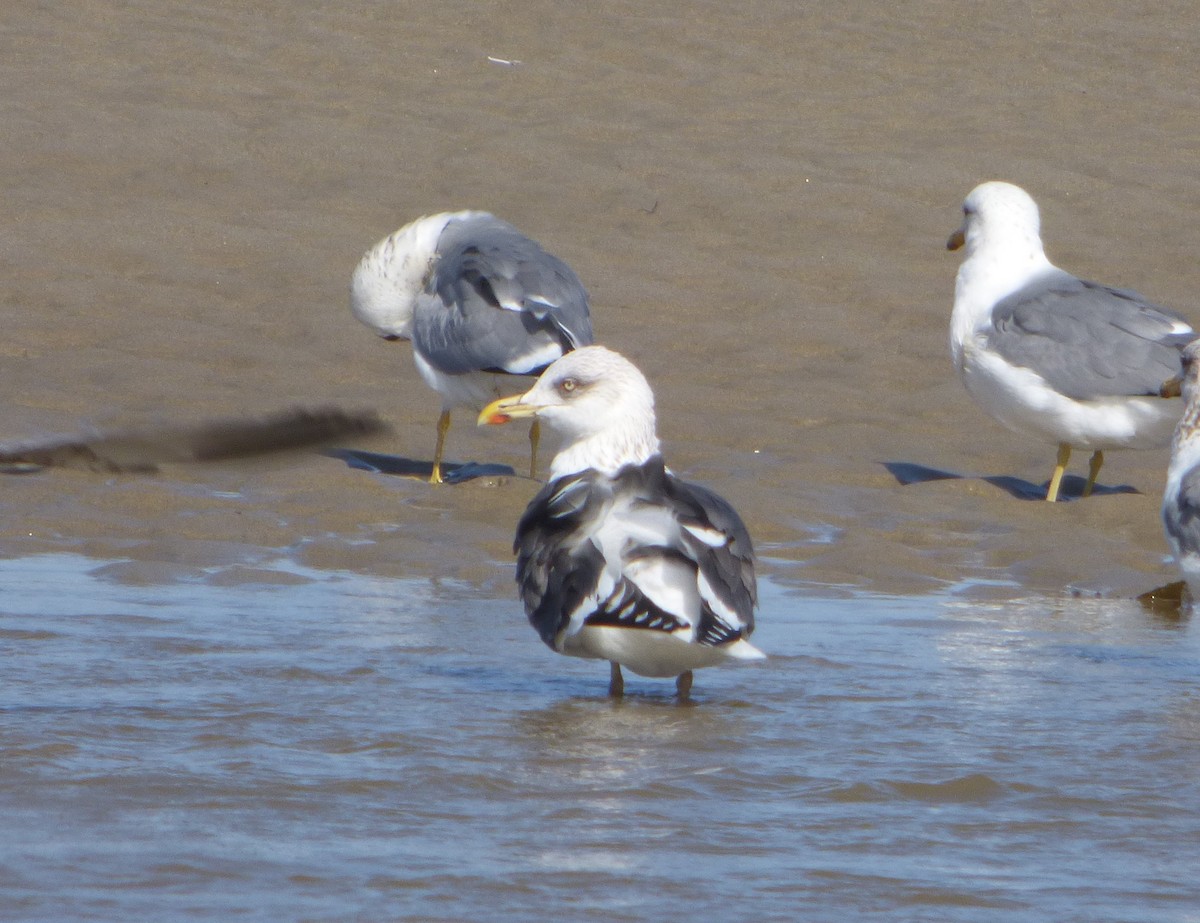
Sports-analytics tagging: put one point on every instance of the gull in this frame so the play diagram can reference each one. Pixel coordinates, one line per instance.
(1075, 363)
(479, 300)
(617, 558)
(1181, 497)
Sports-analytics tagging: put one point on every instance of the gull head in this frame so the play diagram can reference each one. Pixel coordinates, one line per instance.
(1185, 382)
(597, 403)
(999, 217)
(393, 273)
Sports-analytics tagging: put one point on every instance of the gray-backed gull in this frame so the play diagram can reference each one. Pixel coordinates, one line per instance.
(617, 558)
(1072, 362)
(478, 299)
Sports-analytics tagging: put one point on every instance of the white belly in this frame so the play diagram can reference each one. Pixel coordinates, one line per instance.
(1022, 401)
(471, 389)
(652, 653)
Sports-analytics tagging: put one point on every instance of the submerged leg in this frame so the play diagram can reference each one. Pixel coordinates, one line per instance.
(535, 435)
(1093, 472)
(1064, 456)
(683, 685)
(442, 428)
(616, 682)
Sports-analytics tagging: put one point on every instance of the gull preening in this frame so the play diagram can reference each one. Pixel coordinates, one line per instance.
(1075, 363)
(478, 299)
(1181, 497)
(617, 558)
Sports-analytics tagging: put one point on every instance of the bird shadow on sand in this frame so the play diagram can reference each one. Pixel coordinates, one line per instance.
(452, 472)
(1072, 486)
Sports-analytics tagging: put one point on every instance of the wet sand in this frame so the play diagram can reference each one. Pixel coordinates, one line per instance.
(756, 198)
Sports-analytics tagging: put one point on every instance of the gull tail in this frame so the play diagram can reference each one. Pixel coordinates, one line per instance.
(743, 650)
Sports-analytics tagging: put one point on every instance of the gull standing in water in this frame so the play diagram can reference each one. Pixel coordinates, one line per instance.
(617, 558)
(1075, 363)
(1181, 498)
(478, 299)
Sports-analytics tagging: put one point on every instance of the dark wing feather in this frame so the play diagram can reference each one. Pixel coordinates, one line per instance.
(712, 540)
(727, 568)
(496, 301)
(557, 565)
(1087, 340)
(628, 607)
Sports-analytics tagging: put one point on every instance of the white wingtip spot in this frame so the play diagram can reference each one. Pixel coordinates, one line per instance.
(714, 538)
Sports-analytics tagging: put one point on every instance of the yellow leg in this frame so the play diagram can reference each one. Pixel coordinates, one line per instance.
(616, 682)
(535, 435)
(442, 428)
(683, 685)
(1064, 456)
(1093, 472)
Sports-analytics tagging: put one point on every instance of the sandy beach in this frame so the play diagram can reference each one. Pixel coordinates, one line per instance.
(757, 205)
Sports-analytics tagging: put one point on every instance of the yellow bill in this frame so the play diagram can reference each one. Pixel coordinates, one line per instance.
(505, 409)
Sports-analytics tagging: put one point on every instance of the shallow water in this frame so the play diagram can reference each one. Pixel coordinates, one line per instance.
(313, 744)
(291, 689)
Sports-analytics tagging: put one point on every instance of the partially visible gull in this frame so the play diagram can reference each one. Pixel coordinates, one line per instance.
(1072, 362)
(617, 558)
(1181, 498)
(478, 299)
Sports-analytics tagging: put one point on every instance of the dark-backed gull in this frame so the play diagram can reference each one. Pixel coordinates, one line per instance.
(617, 558)
(478, 299)
(1072, 362)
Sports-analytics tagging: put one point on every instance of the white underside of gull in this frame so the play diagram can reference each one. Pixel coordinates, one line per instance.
(470, 389)
(1023, 401)
(653, 653)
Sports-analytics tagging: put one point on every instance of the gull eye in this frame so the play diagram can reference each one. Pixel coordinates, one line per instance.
(567, 385)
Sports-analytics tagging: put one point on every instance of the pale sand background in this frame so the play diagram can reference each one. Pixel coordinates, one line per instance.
(756, 196)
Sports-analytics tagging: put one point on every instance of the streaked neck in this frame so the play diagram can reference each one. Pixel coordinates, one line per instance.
(1188, 428)
(608, 451)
